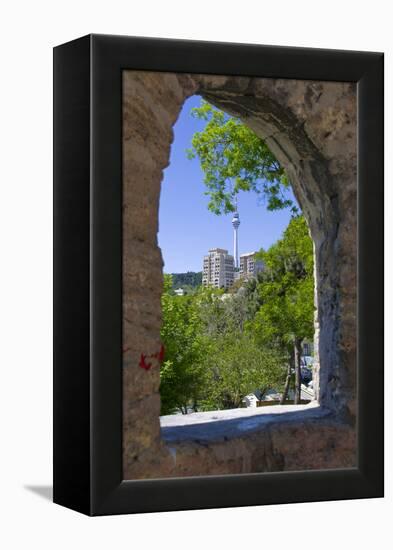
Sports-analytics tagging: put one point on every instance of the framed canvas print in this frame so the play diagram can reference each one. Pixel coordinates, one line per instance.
(218, 275)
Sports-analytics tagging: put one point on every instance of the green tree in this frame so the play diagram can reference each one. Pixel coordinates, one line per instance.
(227, 312)
(233, 158)
(212, 312)
(286, 291)
(236, 365)
(181, 375)
(210, 362)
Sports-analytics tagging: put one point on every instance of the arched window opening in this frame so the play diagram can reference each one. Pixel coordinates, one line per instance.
(238, 300)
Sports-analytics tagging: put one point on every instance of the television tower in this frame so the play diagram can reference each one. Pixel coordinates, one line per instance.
(235, 224)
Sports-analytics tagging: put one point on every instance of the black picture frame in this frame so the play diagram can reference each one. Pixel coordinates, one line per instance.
(88, 274)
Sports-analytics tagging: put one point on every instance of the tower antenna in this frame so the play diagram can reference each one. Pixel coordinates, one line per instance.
(235, 225)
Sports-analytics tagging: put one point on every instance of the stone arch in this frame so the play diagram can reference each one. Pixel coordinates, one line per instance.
(311, 128)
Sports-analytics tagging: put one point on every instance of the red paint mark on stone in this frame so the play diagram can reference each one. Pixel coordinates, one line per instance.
(159, 356)
(143, 364)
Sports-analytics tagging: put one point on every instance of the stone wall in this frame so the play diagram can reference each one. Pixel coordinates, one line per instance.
(311, 128)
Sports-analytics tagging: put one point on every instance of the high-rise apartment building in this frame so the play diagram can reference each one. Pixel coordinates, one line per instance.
(218, 269)
(249, 265)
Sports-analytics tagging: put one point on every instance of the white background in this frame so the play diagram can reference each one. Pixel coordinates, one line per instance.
(29, 30)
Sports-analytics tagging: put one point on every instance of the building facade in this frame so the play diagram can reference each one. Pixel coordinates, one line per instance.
(249, 266)
(218, 269)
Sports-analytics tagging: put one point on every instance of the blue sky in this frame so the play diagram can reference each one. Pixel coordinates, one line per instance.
(187, 229)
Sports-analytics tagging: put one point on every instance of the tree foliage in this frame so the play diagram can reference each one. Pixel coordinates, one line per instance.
(286, 290)
(286, 315)
(236, 366)
(233, 158)
(181, 373)
(210, 362)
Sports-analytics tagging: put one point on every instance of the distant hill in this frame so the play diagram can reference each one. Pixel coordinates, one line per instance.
(191, 278)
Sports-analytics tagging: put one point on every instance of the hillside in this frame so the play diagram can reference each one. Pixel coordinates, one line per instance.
(191, 278)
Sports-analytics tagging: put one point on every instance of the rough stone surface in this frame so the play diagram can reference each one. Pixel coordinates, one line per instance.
(311, 128)
(259, 441)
